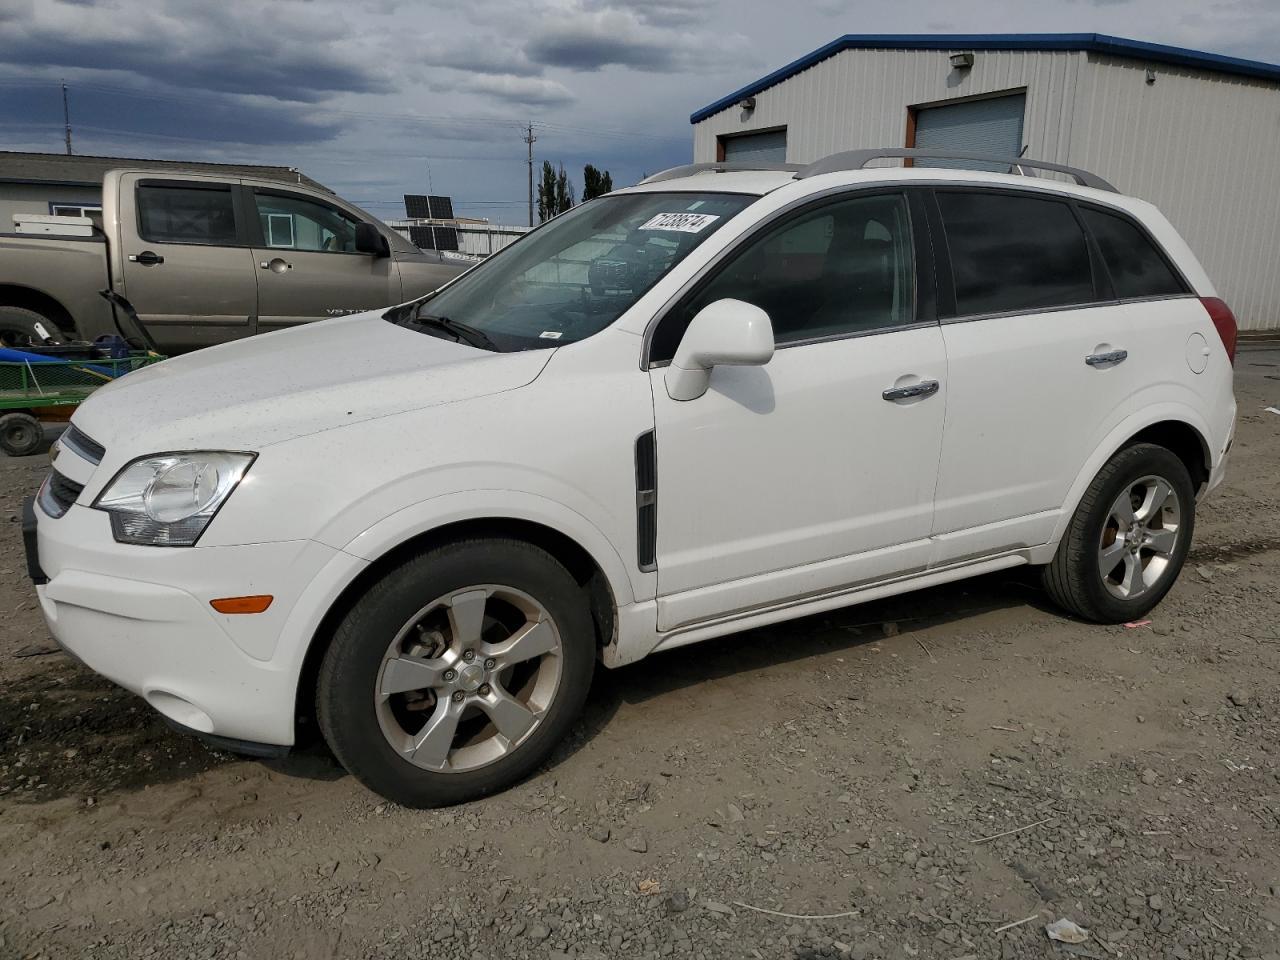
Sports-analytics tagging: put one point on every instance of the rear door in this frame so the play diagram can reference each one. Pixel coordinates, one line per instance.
(1036, 363)
(306, 260)
(185, 261)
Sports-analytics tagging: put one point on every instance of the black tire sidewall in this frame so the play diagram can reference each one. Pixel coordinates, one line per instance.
(14, 422)
(348, 674)
(23, 321)
(1132, 465)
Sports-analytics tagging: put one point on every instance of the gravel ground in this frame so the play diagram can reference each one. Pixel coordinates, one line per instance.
(936, 776)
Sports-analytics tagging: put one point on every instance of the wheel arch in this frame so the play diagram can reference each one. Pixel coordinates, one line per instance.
(582, 566)
(1173, 426)
(29, 298)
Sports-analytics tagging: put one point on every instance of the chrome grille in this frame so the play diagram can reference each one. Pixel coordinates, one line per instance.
(83, 445)
(58, 494)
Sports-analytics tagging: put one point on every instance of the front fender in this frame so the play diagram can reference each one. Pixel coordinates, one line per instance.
(431, 514)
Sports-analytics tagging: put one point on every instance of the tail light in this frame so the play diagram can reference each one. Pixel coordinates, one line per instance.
(1224, 321)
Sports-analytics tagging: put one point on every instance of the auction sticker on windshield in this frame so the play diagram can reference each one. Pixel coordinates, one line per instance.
(680, 222)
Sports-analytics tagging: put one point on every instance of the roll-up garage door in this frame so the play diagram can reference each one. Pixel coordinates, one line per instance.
(770, 147)
(993, 126)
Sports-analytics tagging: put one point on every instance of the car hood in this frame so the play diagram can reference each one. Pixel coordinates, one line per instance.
(261, 390)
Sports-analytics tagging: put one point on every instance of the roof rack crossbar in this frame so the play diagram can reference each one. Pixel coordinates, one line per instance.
(689, 169)
(858, 159)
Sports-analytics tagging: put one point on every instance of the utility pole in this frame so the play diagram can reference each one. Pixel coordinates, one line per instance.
(529, 140)
(66, 116)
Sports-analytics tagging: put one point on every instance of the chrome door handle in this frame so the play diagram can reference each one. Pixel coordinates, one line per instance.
(925, 388)
(1101, 359)
(276, 265)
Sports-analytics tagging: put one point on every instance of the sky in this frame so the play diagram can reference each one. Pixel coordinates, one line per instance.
(378, 98)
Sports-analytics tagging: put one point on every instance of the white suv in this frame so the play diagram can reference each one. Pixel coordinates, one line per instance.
(716, 400)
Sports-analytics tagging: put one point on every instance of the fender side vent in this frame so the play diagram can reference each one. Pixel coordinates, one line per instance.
(646, 502)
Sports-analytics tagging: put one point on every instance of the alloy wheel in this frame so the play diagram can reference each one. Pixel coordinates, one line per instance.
(468, 678)
(1139, 537)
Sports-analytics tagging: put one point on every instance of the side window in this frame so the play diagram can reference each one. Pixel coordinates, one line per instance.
(844, 267)
(1011, 252)
(294, 222)
(186, 214)
(1137, 267)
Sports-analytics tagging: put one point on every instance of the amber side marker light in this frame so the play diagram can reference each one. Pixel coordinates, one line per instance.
(242, 604)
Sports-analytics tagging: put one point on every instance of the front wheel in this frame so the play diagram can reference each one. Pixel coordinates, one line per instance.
(1128, 538)
(457, 673)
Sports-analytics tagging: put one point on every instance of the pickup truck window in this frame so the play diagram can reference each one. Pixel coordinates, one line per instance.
(576, 274)
(293, 222)
(186, 214)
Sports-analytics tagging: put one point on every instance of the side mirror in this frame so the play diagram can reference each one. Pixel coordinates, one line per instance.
(724, 332)
(370, 240)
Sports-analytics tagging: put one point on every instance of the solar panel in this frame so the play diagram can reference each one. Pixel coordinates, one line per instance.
(441, 207)
(423, 238)
(417, 207)
(446, 238)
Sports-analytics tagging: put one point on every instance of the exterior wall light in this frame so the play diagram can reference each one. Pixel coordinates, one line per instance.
(962, 61)
(747, 103)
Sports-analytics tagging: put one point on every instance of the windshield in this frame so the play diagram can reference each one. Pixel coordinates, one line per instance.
(573, 277)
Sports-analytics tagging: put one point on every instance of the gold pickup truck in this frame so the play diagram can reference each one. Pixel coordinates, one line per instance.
(205, 259)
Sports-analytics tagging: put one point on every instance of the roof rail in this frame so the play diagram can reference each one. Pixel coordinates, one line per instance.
(689, 169)
(858, 159)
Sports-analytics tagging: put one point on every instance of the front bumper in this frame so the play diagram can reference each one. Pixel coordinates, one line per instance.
(140, 616)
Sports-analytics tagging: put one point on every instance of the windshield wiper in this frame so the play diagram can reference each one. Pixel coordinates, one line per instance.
(462, 332)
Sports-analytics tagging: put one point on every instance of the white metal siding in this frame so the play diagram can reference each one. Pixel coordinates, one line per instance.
(859, 98)
(1205, 149)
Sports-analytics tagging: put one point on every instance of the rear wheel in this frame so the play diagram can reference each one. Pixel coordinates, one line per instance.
(20, 434)
(1128, 538)
(20, 327)
(457, 673)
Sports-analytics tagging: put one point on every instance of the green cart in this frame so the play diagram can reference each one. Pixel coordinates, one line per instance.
(37, 388)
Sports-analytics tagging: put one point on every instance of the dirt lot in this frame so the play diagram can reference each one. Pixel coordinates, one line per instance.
(847, 769)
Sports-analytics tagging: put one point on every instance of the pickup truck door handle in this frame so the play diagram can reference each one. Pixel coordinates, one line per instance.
(1103, 359)
(147, 258)
(925, 388)
(275, 264)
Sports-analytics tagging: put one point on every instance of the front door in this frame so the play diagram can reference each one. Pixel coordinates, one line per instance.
(814, 472)
(307, 264)
(185, 269)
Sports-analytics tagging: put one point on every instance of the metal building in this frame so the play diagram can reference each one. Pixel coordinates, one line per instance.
(1197, 134)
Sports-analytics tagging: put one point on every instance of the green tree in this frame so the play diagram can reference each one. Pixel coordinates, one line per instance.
(555, 192)
(595, 183)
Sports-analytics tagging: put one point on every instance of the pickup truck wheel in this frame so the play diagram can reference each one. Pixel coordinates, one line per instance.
(457, 673)
(20, 327)
(1128, 538)
(20, 434)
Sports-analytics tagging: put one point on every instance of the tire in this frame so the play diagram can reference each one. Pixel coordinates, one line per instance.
(21, 327)
(422, 735)
(1144, 554)
(20, 434)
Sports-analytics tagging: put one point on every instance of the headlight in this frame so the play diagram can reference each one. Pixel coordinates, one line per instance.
(168, 500)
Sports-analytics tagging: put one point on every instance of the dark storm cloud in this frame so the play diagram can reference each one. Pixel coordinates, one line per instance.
(124, 114)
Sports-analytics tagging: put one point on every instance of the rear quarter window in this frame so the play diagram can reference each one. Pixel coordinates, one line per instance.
(1136, 265)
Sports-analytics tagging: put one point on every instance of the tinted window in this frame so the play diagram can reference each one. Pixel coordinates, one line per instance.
(1137, 268)
(186, 214)
(1014, 253)
(294, 222)
(845, 267)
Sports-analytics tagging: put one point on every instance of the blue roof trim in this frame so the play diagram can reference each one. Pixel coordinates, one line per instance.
(1093, 42)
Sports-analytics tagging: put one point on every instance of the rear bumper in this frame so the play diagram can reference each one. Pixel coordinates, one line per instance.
(140, 616)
